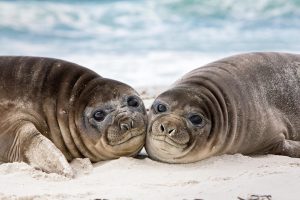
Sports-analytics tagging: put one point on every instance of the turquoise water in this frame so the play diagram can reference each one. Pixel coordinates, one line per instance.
(119, 34)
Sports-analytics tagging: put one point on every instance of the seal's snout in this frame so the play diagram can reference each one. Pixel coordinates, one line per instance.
(168, 129)
(171, 130)
(126, 121)
(126, 124)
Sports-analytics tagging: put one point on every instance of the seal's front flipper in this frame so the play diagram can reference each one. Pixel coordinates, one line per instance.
(287, 148)
(40, 152)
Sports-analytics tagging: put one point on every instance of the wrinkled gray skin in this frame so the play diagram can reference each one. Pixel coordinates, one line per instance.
(248, 103)
(47, 111)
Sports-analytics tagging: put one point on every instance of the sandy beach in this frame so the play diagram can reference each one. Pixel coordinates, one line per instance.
(224, 177)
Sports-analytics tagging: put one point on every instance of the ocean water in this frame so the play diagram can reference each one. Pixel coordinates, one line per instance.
(147, 43)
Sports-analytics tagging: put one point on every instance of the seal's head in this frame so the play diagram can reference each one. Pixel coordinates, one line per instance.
(179, 127)
(112, 122)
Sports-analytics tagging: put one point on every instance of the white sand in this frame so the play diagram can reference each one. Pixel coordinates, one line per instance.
(225, 177)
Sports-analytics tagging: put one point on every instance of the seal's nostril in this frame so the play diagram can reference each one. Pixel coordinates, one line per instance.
(162, 128)
(132, 124)
(124, 127)
(172, 131)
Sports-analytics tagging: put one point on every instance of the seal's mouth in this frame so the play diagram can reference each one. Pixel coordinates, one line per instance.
(127, 137)
(165, 150)
(169, 141)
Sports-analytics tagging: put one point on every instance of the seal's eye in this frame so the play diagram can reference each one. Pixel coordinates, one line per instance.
(196, 119)
(133, 102)
(161, 108)
(99, 115)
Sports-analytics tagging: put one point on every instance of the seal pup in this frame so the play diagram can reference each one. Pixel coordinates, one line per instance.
(248, 104)
(53, 111)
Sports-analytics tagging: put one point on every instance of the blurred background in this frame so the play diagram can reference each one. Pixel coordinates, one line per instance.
(147, 43)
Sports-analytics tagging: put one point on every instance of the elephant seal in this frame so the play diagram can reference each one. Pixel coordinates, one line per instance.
(248, 104)
(53, 111)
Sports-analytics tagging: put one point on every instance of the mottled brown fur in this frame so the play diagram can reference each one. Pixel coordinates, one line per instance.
(250, 104)
(58, 98)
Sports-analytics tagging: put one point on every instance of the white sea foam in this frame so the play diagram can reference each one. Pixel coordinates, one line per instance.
(206, 26)
(147, 43)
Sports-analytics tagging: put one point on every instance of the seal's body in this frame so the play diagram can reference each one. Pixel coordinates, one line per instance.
(247, 104)
(53, 110)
